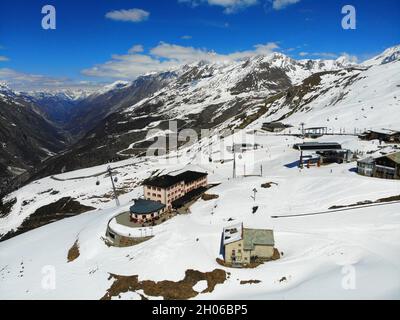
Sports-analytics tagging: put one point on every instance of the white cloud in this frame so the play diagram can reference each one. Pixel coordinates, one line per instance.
(167, 56)
(230, 6)
(350, 57)
(282, 4)
(324, 55)
(136, 48)
(330, 55)
(21, 81)
(186, 37)
(131, 15)
(3, 58)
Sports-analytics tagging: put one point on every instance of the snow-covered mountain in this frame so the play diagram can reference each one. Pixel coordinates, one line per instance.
(211, 95)
(389, 55)
(241, 95)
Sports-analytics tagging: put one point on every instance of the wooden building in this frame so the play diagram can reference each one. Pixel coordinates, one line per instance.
(274, 126)
(386, 166)
(384, 135)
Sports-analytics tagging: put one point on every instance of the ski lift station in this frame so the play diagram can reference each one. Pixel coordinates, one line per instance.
(321, 153)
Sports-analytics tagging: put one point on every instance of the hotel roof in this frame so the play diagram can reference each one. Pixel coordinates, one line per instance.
(142, 206)
(169, 180)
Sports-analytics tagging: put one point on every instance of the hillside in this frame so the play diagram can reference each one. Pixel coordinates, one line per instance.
(26, 138)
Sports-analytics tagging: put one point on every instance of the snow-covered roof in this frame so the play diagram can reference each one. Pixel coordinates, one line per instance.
(233, 233)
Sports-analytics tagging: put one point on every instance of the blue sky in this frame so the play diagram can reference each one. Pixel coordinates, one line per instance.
(95, 41)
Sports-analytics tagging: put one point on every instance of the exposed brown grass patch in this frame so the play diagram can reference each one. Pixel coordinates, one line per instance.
(73, 252)
(169, 290)
(253, 264)
(367, 202)
(250, 282)
(208, 197)
(268, 185)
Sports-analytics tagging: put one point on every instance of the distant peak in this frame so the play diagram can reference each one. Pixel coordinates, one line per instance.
(389, 55)
(120, 84)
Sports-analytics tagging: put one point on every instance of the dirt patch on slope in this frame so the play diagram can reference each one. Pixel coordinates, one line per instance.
(63, 208)
(73, 252)
(169, 290)
(367, 202)
(249, 282)
(6, 206)
(208, 197)
(268, 185)
(253, 264)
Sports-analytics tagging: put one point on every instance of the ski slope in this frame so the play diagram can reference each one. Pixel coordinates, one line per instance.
(318, 251)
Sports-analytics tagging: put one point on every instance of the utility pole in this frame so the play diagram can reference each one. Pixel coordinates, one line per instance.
(113, 185)
(234, 161)
(302, 128)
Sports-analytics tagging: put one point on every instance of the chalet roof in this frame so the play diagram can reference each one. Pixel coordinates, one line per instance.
(253, 237)
(394, 157)
(369, 160)
(142, 206)
(232, 233)
(388, 132)
(274, 125)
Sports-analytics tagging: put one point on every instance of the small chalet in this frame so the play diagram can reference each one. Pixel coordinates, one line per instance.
(146, 211)
(386, 166)
(168, 188)
(241, 246)
(274, 126)
(384, 135)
